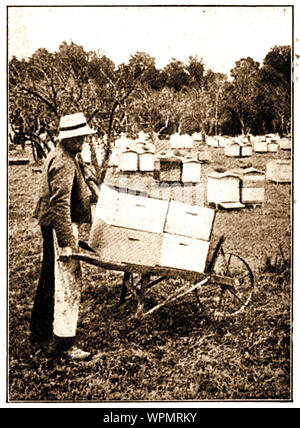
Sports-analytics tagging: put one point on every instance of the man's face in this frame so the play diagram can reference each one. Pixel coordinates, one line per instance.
(74, 145)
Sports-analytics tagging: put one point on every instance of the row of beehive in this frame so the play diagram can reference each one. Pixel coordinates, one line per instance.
(245, 186)
(243, 147)
(236, 189)
(150, 232)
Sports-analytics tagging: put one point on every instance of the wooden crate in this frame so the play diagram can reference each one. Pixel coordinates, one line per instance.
(279, 171)
(170, 169)
(130, 211)
(260, 146)
(189, 220)
(232, 149)
(146, 161)
(181, 252)
(253, 186)
(128, 161)
(122, 245)
(246, 150)
(272, 146)
(223, 188)
(191, 171)
(285, 144)
(140, 213)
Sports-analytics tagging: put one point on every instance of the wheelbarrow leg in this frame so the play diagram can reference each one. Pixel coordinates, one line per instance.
(126, 279)
(138, 292)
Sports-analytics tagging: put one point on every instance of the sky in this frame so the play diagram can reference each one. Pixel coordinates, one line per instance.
(219, 35)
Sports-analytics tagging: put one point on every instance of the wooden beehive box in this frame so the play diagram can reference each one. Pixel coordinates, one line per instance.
(197, 137)
(114, 158)
(272, 146)
(246, 150)
(128, 228)
(222, 142)
(253, 186)
(285, 144)
(170, 169)
(186, 236)
(150, 232)
(224, 189)
(233, 149)
(189, 220)
(260, 146)
(128, 160)
(279, 171)
(146, 161)
(191, 171)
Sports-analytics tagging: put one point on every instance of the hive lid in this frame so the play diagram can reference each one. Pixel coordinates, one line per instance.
(250, 170)
(216, 174)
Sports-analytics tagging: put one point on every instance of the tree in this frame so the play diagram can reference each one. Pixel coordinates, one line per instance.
(275, 85)
(176, 75)
(241, 95)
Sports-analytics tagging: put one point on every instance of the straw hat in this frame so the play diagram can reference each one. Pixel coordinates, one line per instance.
(74, 125)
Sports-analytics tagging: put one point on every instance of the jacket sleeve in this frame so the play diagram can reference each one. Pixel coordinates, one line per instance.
(61, 177)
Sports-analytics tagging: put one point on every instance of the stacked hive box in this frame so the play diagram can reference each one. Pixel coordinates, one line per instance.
(128, 160)
(146, 160)
(150, 232)
(223, 188)
(170, 169)
(191, 171)
(233, 149)
(260, 146)
(253, 186)
(279, 170)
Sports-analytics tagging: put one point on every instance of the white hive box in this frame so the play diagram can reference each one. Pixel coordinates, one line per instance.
(260, 146)
(224, 189)
(246, 150)
(197, 137)
(191, 171)
(128, 228)
(149, 232)
(222, 142)
(186, 141)
(128, 161)
(146, 161)
(279, 171)
(186, 237)
(141, 213)
(175, 141)
(189, 220)
(285, 144)
(122, 245)
(272, 146)
(253, 186)
(180, 252)
(213, 142)
(114, 158)
(233, 149)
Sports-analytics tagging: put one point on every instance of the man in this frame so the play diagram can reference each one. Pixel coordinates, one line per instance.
(64, 203)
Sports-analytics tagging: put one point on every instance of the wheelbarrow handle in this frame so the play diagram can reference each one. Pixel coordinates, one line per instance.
(85, 246)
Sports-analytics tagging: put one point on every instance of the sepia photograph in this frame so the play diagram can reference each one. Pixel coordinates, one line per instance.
(150, 189)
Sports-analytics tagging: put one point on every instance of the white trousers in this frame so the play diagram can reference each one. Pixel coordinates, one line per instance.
(67, 292)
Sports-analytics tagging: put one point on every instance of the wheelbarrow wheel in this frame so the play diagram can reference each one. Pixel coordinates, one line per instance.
(232, 300)
(221, 299)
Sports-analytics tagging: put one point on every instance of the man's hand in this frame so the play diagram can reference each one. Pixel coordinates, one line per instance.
(65, 253)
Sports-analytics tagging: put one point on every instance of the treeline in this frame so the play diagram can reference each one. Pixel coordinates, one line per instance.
(182, 97)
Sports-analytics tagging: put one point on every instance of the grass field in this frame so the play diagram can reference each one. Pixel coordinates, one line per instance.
(176, 354)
